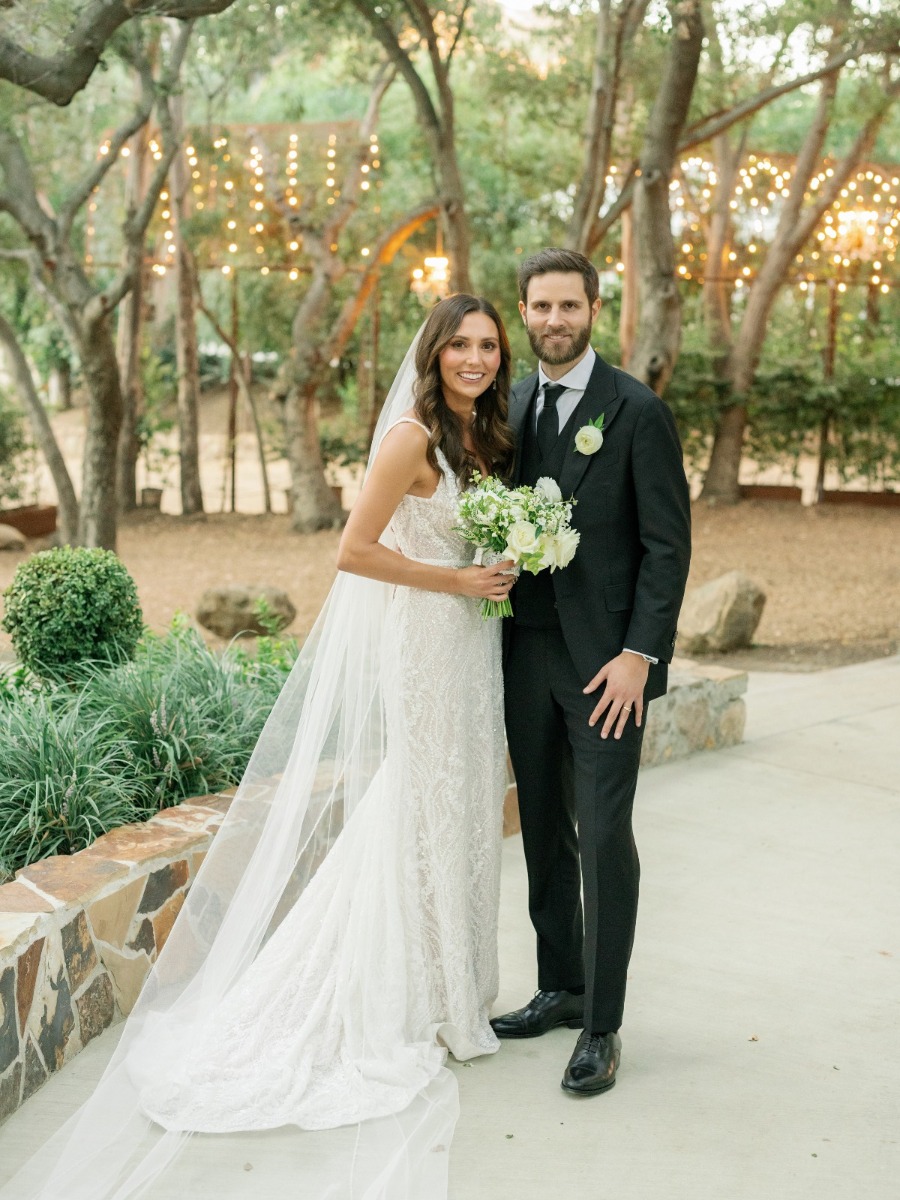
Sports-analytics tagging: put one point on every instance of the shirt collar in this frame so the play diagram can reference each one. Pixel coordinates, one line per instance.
(577, 379)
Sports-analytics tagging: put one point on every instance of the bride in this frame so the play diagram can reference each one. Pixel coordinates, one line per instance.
(341, 935)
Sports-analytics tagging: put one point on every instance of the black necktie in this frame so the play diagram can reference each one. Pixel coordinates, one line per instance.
(548, 419)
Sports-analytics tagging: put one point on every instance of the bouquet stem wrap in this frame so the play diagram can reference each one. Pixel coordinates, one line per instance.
(485, 557)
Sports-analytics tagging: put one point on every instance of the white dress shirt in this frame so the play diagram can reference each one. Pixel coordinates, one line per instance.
(575, 382)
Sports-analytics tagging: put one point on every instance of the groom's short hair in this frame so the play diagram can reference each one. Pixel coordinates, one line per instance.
(555, 258)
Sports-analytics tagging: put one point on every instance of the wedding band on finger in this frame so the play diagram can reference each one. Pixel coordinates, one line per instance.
(626, 708)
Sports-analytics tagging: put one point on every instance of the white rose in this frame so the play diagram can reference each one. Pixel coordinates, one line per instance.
(566, 545)
(550, 547)
(521, 540)
(548, 488)
(588, 439)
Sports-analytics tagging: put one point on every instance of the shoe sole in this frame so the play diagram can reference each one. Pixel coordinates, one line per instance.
(577, 1091)
(575, 1024)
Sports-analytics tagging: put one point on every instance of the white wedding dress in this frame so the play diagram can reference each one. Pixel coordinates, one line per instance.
(341, 934)
(390, 954)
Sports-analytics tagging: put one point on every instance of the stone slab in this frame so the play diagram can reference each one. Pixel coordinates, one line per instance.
(20, 929)
(78, 948)
(74, 878)
(17, 898)
(96, 1008)
(26, 977)
(111, 917)
(127, 973)
(138, 844)
(162, 884)
(195, 819)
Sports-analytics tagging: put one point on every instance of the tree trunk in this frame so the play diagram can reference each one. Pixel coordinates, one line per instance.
(97, 518)
(455, 222)
(612, 34)
(188, 360)
(186, 352)
(628, 312)
(658, 337)
(43, 433)
(128, 353)
(435, 118)
(796, 224)
(128, 338)
(716, 284)
(60, 386)
(313, 503)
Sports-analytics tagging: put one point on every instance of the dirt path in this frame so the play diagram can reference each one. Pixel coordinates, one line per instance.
(832, 576)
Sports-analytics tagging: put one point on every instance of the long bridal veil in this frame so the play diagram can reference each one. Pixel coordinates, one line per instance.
(320, 755)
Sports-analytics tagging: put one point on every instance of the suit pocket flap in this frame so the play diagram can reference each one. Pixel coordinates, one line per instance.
(619, 596)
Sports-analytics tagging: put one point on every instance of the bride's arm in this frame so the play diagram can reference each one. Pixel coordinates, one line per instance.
(399, 467)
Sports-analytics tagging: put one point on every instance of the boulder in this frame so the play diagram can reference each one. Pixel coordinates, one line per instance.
(720, 615)
(11, 539)
(229, 610)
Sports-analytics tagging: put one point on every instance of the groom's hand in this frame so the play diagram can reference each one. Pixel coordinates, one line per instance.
(623, 680)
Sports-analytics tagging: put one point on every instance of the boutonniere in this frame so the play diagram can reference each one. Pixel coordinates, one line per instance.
(589, 438)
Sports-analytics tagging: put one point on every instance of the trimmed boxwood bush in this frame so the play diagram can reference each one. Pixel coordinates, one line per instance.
(71, 605)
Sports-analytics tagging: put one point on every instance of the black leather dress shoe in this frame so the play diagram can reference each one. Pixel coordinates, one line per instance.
(543, 1012)
(592, 1067)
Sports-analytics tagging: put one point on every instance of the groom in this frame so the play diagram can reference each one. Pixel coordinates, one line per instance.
(586, 650)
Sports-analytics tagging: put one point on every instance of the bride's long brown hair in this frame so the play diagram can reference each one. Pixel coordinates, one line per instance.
(492, 437)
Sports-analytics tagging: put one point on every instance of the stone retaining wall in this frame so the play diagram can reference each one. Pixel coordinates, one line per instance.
(79, 933)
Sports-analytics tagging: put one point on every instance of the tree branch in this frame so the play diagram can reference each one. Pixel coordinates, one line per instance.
(136, 224)
(385, 34)
(388, 245)
(59, 77)
(92, 180)
(460, 28)
(707, 127)
(21, 198)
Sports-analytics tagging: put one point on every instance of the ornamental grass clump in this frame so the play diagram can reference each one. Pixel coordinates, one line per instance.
(72, 605)
(105, 744)
(190, 717)
(64, 780)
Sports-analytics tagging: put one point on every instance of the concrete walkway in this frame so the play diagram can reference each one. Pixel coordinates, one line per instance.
(762, 1041)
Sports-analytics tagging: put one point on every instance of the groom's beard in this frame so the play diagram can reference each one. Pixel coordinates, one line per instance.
(559, 353)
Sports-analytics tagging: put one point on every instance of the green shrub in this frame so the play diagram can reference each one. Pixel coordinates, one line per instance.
(63, 780)
(190, 716)
(69, 605)
(113, 743)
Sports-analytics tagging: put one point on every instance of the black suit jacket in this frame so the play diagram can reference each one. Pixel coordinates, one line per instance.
(625, 585)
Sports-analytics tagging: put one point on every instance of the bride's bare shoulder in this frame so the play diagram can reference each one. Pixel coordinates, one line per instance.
(407, 430)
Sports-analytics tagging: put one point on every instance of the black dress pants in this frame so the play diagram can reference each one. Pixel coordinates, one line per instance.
(576, 795)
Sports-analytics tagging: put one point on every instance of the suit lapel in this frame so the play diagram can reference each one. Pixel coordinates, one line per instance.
(600, 396)
(520, 402)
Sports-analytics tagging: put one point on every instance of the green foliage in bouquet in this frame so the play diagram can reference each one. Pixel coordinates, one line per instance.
(71, 605)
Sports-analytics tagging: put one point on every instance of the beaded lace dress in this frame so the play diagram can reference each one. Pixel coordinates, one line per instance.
(340, 936)
(390, 954)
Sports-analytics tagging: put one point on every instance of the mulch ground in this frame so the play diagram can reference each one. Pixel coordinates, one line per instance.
(831, 575)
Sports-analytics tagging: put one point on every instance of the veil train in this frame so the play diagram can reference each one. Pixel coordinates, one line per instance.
(321, 754)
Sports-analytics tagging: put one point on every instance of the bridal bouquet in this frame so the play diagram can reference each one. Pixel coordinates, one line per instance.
(531, 526)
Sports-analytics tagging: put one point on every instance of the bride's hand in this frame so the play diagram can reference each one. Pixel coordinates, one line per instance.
(486, 583)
